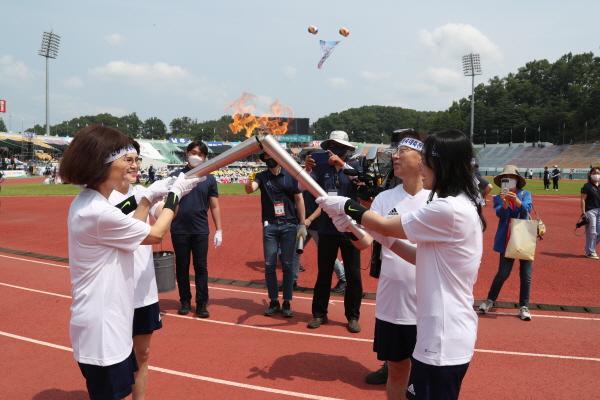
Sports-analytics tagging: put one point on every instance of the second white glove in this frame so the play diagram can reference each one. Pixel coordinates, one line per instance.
(218, 239)
(183, 185)
(332, 205)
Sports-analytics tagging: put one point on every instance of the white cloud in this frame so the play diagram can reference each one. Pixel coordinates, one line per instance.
(73, 82)
(337, 83)
(141, 74)
(12, 71)
(114, 39)
(290, 72)
(455, 40)
(374, 76)
(444, 78)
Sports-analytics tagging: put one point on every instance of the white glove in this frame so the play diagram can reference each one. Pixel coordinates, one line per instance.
(342, 222)
(183, 185)
(156, 191)
(332, 205)
(218, 239)
(301, 232)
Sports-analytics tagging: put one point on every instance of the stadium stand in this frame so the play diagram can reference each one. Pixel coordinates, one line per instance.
(535, 157)
(577, 156)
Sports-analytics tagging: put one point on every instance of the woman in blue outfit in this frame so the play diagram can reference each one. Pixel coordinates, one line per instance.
(512, 203)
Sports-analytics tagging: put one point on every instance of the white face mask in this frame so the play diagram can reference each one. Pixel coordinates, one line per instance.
(595, 178)
(195, 160)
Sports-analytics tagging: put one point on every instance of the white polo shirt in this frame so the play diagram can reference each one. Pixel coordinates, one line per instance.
(144, 278)
(396, 290)
(449, 246)
(101, 244)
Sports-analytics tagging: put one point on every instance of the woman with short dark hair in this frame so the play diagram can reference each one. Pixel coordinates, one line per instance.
(448, 234)
(102, 240)
(590, 208)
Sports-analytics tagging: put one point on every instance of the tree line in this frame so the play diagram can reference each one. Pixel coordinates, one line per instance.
(555, 102)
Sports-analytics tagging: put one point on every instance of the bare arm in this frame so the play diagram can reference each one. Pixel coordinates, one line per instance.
(312, 217)
(142, 210)
(160, 227)
(385, 226)
(251, 187)
(215, 211)
(407, 251)
(583, 197)
(300, 208)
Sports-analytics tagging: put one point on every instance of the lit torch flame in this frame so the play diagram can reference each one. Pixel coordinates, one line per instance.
(275, 122)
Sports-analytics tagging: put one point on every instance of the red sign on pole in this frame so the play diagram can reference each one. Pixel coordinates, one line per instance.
(3, 106)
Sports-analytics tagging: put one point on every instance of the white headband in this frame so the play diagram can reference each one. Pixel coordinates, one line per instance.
(413, 143)
(115, 155)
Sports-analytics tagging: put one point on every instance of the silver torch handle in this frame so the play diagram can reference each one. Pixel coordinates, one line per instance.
(271, 146)
(242, 150)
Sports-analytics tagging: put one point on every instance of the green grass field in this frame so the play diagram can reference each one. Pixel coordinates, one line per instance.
(38, 189)
(535, 186)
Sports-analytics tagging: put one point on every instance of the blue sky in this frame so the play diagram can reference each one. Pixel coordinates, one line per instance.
(193, 58)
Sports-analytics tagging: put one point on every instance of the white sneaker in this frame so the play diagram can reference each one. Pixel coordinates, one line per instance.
(486, 306)
(524, 314)
(593, 256)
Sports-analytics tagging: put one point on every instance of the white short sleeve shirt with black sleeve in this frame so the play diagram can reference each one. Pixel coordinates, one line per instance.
(449, 247)
(101, 244)
(396, 288)
(144, 278)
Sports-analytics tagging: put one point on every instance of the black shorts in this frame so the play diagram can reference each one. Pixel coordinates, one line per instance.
(146, 319)
(112, 382)
(432, 382)
(394, 342)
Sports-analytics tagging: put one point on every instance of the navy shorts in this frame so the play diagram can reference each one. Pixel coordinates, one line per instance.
(146, 319)
(112, 382)
(432, 382)
(394, 342)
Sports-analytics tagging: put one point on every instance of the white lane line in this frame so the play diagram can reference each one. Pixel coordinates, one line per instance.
(262, 328)
(210, 286)
(186, 374)
(548, 316)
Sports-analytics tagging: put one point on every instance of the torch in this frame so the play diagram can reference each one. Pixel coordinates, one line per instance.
(237, 152)
(272, 147)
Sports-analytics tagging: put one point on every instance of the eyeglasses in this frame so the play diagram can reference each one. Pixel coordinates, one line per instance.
(132, 160)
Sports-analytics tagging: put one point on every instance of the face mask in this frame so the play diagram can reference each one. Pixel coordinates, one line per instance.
(195, 160)
(341, 152)
(271, 163)
(595, 178)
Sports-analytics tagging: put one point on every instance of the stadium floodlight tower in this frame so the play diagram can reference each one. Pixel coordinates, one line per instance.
(472, 67)
(49, 49)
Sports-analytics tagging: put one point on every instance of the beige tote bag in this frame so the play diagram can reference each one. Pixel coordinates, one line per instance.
(522, 240)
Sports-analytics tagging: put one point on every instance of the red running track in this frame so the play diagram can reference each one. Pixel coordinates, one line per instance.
(240, 354)
(561, 275)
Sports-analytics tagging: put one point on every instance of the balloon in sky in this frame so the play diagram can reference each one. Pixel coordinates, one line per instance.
(313, 29)
(344, 31)
(326, 48)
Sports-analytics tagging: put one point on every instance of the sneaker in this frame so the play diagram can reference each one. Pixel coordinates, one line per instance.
(593, 256)
(185, 308)
(524, 314)
(378, 377)
(201, 311)
(340, 287)
(486, 306)
(353, 326)
(273, 308)
(286, 309)
(316, 322)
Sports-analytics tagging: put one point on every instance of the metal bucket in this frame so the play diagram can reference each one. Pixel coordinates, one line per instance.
(164, 269)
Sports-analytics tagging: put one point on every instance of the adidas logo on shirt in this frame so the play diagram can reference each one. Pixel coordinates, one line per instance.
(393, 211)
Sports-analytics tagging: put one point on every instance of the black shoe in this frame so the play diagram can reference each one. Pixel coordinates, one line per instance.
(273, 308)
(340, 287)
(201, 311)
(286, 309)
(301, 268)
(353, 326)
(185, 308)
(317, 322)
(378, 377)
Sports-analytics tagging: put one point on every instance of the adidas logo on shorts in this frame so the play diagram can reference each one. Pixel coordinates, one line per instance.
(393, 211)
(411, 389)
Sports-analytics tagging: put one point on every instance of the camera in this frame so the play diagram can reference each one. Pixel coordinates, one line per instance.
(582, 221)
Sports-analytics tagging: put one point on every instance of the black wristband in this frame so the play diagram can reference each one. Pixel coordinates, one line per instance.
(172, 201)
(128, 205)
(354, 210)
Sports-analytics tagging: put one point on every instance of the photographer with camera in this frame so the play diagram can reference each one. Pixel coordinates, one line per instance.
(590, 212)
(328, 172)
(512, 202)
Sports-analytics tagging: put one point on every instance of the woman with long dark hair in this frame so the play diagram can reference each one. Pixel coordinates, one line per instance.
(448, 234)
(590, 207)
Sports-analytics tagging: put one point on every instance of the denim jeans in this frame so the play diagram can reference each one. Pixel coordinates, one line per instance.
(504, 270)
(279, 237)
(591, 230)
(197, 244)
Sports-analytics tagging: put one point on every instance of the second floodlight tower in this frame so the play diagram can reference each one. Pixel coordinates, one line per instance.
(472, 67)
(49, 49)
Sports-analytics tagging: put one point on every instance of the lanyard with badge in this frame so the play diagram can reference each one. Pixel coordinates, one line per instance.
(278, 206)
